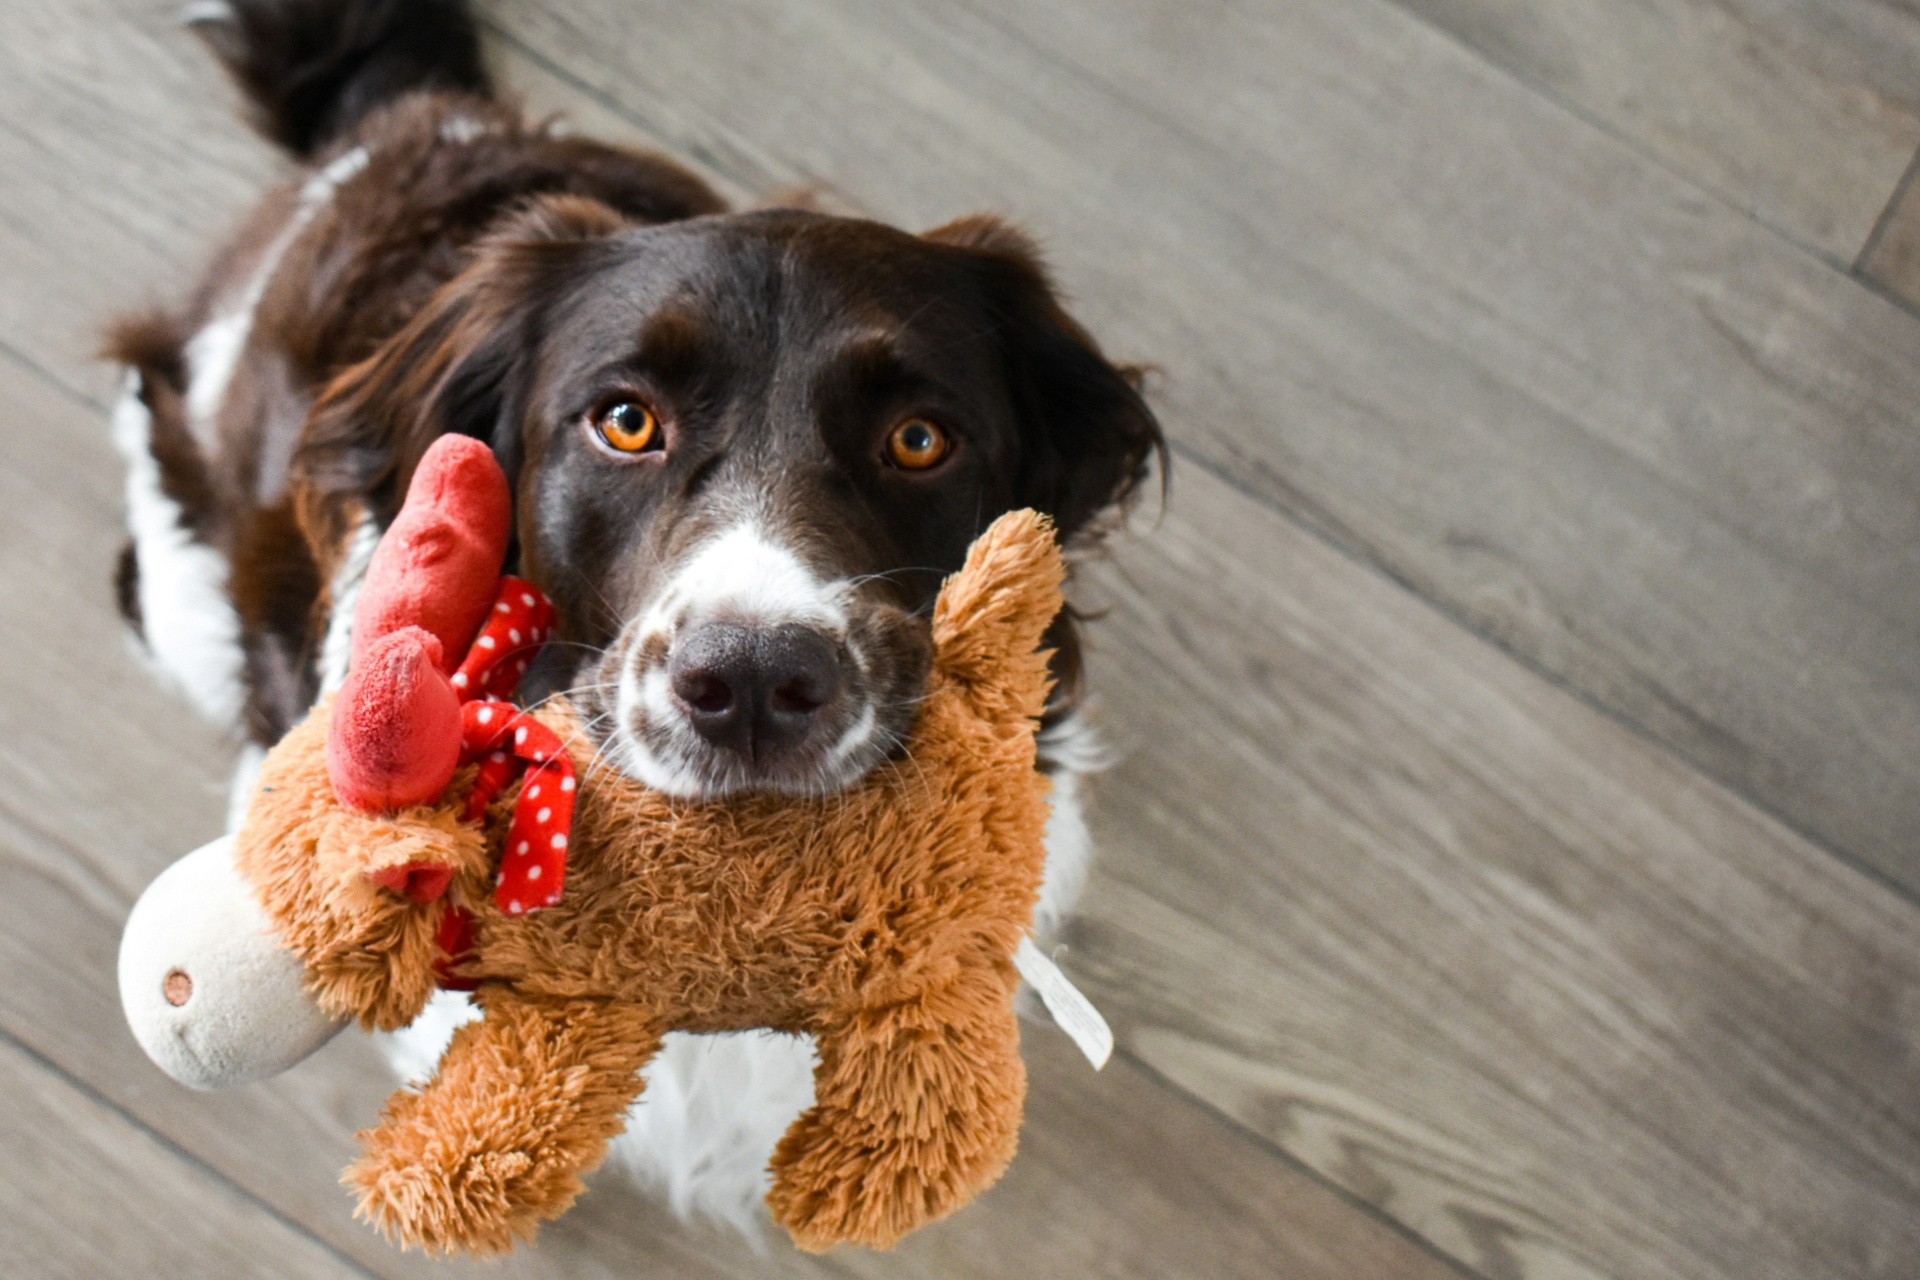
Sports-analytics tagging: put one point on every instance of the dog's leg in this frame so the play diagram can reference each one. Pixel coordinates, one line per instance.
(174, 586)
(714, 1107)
(523, 1104)
(919, 1110)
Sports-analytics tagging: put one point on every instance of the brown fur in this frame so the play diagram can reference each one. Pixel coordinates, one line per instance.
(882, 920)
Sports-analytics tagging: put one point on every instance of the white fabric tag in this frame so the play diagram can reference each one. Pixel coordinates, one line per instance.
(1072, 1011)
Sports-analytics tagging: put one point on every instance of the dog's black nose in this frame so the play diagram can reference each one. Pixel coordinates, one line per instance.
(751, 691)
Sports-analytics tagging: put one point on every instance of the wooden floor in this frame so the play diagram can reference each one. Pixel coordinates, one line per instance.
(1512, 867)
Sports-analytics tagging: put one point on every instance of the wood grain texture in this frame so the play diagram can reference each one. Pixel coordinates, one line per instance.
(1479, 954)
(1120, 1174)
(1610, 423)
(87, 1194)
(1800, 112)
(125, 160)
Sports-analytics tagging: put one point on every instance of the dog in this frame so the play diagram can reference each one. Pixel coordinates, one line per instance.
(745, 448)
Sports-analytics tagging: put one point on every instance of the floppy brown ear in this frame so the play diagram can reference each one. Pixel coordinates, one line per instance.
(1088, 435)
(460, 365)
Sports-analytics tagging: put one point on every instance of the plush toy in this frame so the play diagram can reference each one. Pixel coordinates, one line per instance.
(414, 832)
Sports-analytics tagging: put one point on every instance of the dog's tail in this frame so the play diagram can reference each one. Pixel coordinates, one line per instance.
(313, 69)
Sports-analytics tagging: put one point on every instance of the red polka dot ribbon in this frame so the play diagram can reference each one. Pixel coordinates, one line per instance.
(518, 624)
(507, 742)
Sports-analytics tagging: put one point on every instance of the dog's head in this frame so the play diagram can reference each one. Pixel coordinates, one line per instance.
(745, 451)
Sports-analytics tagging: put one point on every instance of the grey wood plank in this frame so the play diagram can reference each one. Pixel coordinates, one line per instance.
(1621, 429)
(545, 92)
(88, 1194)
(1115, 1178)
(1479, 954)
(1800, 112)
(125, 159)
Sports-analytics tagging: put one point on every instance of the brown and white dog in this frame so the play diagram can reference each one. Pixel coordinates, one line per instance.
(745, 449)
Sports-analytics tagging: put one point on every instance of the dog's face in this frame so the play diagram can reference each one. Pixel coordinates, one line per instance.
(746, 450)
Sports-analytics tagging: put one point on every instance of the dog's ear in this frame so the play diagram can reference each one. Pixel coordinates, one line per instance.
(460, 365)
(1088, 435)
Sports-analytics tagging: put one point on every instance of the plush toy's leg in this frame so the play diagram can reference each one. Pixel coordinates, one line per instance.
(523, 1104)
(917, 1111)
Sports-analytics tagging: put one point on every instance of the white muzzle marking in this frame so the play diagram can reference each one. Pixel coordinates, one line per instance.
(740, 575)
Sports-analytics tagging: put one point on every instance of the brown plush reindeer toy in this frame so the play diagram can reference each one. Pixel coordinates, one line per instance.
(411, 834)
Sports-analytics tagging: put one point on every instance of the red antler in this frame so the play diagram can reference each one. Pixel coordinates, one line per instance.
(394, 739)
(438, 566)
(398, 730)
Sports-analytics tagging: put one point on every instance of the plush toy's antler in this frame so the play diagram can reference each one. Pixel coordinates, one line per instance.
(394, 739)
(399, 731)
(438, 565)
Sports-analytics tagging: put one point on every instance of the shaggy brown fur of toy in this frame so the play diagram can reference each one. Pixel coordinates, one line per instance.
(883, 920)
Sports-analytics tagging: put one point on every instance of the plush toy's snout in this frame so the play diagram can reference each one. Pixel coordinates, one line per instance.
(211, 993)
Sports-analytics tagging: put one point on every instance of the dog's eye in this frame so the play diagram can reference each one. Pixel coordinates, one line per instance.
(916, 444)
(629, 427)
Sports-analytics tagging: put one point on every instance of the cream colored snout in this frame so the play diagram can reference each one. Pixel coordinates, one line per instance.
(208, 990)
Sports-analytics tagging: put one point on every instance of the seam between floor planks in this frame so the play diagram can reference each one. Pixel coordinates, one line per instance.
(1897, 279)
(1885, 217)
(1599, 123)
(1714, 186)
(1403, 1229)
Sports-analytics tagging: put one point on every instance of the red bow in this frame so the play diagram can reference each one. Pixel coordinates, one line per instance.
(507, 742)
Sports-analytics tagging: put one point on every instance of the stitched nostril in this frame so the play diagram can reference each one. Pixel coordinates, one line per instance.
(177, 987)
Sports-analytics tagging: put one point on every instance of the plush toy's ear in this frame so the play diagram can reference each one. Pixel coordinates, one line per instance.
(992, 615)
(460, 366)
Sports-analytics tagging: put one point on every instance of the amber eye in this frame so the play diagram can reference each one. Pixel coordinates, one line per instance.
(916, 444)
(628, 427)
